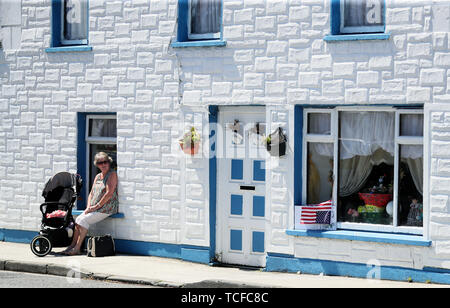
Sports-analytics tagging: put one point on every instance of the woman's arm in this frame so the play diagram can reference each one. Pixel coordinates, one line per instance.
(89, 205)
(111, 185)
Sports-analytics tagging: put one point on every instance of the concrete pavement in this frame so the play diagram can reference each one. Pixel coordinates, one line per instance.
(167, 272)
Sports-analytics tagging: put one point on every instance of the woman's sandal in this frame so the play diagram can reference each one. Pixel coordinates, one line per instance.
(65, 251)
(74, 252)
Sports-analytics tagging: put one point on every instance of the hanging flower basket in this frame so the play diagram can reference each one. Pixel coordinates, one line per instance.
(276, 143)
(190, 143)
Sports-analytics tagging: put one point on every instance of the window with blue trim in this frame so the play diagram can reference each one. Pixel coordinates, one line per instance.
(75, 22)
(97, 133)
(199, 21)
(369, 161)
(70, 22)
(204, 19)
(357, 16)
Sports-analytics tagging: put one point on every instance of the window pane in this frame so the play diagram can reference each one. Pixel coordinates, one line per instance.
(75, 19)
(410, 195)
(102, 128)
(319, 172)
(363, 13)
(411, 125)
(205, 16)
(110, 149)
(366, 166)
(319, 123)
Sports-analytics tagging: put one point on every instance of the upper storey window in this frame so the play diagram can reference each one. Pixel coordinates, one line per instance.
(362, 16)
(70, 26)
(199, 24)
(205, 19)
(74, 22)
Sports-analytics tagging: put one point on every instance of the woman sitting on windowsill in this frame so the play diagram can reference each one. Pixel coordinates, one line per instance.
(102, 202)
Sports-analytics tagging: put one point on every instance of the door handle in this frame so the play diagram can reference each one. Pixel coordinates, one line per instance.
(245, 187)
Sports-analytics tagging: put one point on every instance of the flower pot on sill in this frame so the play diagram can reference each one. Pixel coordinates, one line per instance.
(277, 150)
(192, 150)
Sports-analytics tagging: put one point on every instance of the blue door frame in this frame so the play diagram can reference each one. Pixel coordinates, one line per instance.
(213, 116)
(81, 152)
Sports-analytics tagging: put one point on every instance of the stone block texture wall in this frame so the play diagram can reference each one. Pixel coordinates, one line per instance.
(275, 56)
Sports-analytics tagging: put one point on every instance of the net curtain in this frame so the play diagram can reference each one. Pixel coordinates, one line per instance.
(359, 13)
(367, 139)
(205, 16)
(75, 19)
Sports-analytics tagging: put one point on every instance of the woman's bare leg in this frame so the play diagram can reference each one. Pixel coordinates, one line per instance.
(76, 234)
(82, 232)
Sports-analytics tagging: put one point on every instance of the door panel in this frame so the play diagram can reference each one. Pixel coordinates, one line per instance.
(241, 206)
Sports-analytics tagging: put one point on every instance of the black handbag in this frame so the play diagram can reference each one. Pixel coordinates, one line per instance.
(101, 246)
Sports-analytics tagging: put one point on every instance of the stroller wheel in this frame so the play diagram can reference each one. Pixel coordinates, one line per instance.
(41, 246)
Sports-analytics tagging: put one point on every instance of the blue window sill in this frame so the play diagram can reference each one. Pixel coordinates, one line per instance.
(357, 37)
(389, 238)
(79, 48)
(78, 212)
(206, 43)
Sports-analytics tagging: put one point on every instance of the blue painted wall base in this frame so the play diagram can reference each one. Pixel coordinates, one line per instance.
(17, 236)
(196, 254)
(274, 262)
(288, 263)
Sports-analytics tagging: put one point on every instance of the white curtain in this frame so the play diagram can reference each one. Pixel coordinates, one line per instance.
(75, 19)
(412, 125)
(413, 156)
(362, 133)
(353, 172)
(360, 13)
(367, 139)
(103, 128)
(354, 13)
(205, 16)
(319, 123)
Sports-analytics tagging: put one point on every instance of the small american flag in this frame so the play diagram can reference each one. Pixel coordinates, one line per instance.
(316, 214)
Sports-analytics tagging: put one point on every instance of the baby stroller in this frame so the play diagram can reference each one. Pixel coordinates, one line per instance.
(60, 193)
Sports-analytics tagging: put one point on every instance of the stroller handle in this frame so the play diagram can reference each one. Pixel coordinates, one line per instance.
(53, 203)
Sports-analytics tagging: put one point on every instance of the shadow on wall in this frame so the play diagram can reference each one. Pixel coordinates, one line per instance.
(71, 57)
(206, 75)
(75, 65)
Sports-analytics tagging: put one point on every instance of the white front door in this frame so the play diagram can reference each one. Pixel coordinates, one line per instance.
(241, 206)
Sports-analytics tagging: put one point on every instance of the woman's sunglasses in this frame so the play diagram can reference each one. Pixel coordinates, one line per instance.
(102, 162)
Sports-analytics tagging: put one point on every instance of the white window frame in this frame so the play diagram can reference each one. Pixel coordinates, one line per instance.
(319, 138)
(65, 42)
(95, 140)
(203, 36)
(361, 29)
(334, 138)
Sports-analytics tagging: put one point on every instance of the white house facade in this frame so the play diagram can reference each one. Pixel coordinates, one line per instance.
(358, 92)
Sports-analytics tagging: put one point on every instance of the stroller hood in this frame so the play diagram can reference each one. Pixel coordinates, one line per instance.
(62, 180)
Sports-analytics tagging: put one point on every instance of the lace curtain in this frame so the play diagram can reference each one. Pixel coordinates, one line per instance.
(205, 16)
(367, 139)
(75, 19)
(359, 13)
(102, 128)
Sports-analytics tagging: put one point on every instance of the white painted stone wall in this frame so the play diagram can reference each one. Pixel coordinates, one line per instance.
(275, 55)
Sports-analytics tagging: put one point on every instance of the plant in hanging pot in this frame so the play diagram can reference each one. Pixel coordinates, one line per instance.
(190, 142)
(276, 143)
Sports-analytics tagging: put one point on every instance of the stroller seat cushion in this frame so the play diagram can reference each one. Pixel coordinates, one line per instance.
(56, 214)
